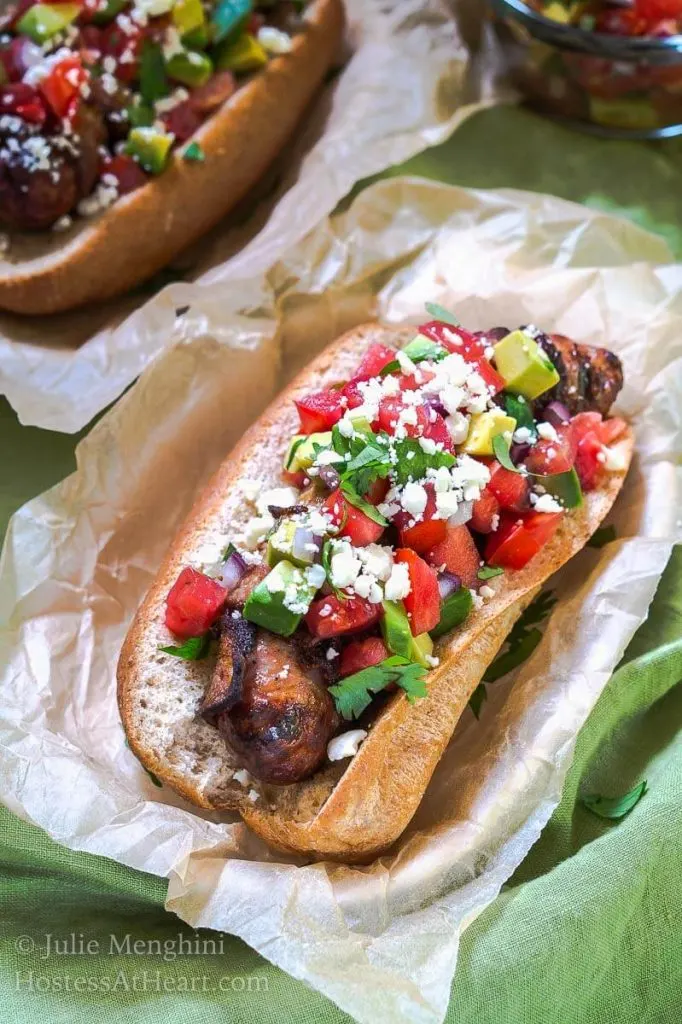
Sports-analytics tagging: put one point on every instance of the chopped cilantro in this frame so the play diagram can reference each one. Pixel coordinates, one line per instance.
(604, 535)
(523, 638)
(192, 650)
(519, 409)
(153, 80)
(353, 694)
(614, 807)
(194, 152)
(441, 313)
(488, 572)
(413, 461)
(501, 450)
(355, 499)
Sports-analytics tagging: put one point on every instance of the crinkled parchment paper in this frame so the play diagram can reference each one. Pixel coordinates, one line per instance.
(380, 941)
(410, 81)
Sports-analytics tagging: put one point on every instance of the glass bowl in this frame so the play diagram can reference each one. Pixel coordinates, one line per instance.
(617, 86)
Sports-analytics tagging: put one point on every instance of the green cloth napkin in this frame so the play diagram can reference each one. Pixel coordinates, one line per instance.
(589, 929)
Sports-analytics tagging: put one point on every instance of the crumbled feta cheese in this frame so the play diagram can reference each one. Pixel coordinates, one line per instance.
(432, 661)
(523, 435)
(152, 8)
(413, 499)
(315, 574)
(366, 586)
(377, 560)
(242, 777)
(325, 611)
(278, 497)
(486, 591)
(331, 654)
(405, 363)
(346, 744)
(453, 398)
(458, 427)
(545, 503)
(253, 795)
(256, 531)
(345, 566)
(63, 224)
(398, 583)
(328, 457)
(476, 599)
(447, 503)
(426, 445)
(547, 431)
(273, 40)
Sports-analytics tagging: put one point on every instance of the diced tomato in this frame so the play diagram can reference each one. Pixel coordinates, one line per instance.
(425, 534)
(484, 511)
(656, 9)
(584, 422)
(297, 479)
(422, 604)
(389, 411)
(193, 604)
(351, 392)
(24, 101)
(375, 358)
(330, 616)
(352, 522)
(468, 346)
(212, 94)
(587, 463)
(510, 489)
(127, 172)
(416, 380)
(454, 339)
(125, 48)
(361, 654)
(378, 490)
(182, 121)
(548, 456)
(430, 424)
(63, 84)
(319, 411)
(458, 553)
(520, 537)
(610, 430)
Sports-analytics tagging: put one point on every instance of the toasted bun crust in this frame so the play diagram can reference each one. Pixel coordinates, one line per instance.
(143, 231)
(347, 811)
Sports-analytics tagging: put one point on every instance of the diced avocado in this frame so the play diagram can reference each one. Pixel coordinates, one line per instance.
(191, 68)
(280, 601)
(453, 611)
(281, 542)
(151, 148)
(188, 15)
(198, 39)
(43, 21)
(241, 55)
(627, 112)
(483, 428)
(301, 453)
(565, 487)
(422, 647)
(422, 347)
(361, 424)
(108, 12)
(395, 627)
(524, 366)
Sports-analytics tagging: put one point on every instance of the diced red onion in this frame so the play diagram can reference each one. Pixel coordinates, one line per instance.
(518, 452)
(557, 414)
(232, 570)
(492, 335)
(330, 477)
(434, 402)
(303, 543)
(464, 512)
(448, 583)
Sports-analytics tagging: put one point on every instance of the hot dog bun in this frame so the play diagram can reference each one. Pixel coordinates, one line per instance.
(347, 811)
(142, 231)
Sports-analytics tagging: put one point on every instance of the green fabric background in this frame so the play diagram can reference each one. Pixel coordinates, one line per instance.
(588, 931)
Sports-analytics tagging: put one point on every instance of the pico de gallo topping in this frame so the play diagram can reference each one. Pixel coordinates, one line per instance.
(657, 18)
(95, 95)
(410, 493)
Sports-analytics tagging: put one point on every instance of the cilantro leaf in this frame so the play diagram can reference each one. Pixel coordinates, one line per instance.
(604, 535)
(353, 694)
(614, 807)
(192, 650)
(152, 776)
(514, 657)
(476, 699)
(418, 350)
(194, 152)
(536, 612)
(501, 450)
(441, 313)
(488, 572)
(327, 550)
(413, 461)
(353, 498)
(519, 409)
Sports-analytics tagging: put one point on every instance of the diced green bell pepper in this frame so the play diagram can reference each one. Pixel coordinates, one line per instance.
(43, 21)
(191, 68)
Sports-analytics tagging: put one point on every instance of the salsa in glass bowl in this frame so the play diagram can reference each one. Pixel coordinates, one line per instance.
(612, 67)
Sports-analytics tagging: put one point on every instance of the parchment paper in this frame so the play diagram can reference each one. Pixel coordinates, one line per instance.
(380, 941)
(410, 81)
